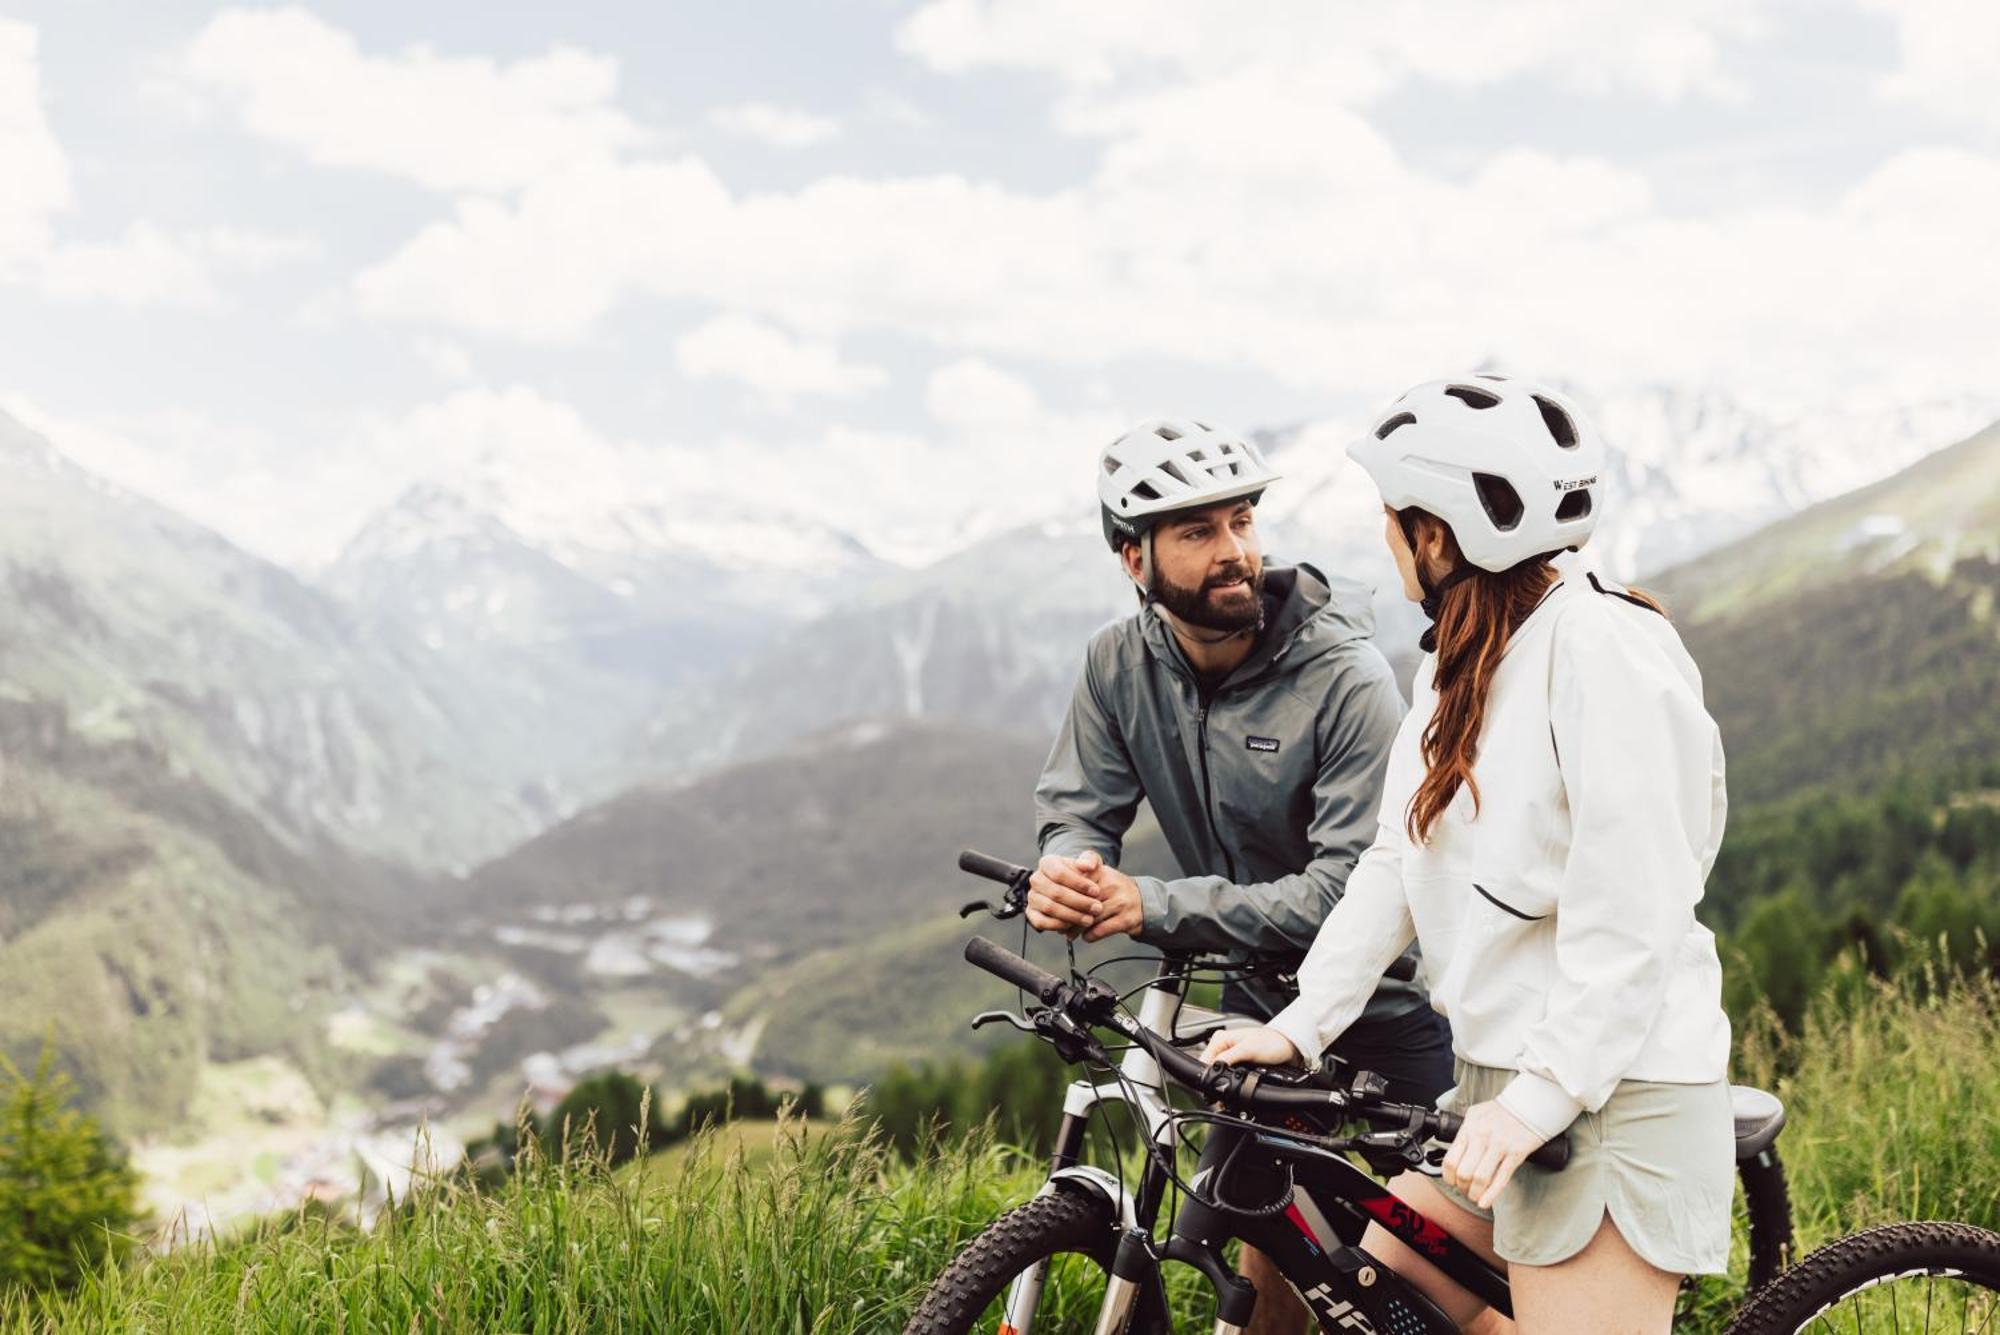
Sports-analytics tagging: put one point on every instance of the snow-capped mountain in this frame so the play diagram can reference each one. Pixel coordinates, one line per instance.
(142, 628)
(617, 581)
(993, 634)
(1690, 470)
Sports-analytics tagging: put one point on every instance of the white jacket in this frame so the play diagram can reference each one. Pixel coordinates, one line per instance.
(1557, 924)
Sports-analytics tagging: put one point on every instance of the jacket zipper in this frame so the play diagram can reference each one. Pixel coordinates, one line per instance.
(1207, 800)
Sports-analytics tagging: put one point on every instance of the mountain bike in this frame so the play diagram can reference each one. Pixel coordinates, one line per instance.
(1273, 1171)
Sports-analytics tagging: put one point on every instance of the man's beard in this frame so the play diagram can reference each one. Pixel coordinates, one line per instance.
(1198, 606)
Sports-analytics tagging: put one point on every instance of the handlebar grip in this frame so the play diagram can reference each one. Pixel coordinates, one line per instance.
(993, 869)
(1004, 963)
(1552, 1154)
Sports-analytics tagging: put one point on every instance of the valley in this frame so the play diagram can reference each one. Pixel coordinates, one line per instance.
(294, 867)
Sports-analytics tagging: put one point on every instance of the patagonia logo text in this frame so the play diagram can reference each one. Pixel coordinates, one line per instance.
(1261, 743)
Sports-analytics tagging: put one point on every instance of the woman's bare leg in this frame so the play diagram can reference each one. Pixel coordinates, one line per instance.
(1605, 1289)
(1421, 1194)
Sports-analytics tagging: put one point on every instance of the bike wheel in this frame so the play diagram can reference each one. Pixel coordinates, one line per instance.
(1768, 1205)
(1071, 1229)
(1904, 1278)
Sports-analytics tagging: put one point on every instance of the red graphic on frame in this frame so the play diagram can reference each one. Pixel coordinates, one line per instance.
(1408, 1225)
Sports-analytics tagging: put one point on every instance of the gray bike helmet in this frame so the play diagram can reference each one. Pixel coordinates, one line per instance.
(1161, 467)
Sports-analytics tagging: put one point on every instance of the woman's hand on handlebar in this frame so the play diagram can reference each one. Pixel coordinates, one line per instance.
(1258, 1046)
(1489, 1147)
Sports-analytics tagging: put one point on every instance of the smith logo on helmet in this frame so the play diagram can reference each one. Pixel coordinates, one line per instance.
(1581, 482)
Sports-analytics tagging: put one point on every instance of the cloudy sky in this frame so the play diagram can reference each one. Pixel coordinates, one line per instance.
(270, 264)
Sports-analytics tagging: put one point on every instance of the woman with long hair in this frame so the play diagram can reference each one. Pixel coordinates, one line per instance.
(1552, 807)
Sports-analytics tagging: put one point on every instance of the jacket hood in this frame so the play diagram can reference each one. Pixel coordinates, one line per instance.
(1306, 614)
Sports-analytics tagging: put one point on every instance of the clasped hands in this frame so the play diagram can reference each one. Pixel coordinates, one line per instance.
(1082, 897)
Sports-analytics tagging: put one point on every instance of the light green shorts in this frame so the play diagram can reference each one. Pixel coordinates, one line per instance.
(1660, 1158)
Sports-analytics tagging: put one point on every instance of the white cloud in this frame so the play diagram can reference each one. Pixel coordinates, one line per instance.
(1357, 50)
(256, 252)
(1270, 232)
(445, 358)
(145, 266)
(972, 395)
(780, 127)
(1950, 57)
(777, 365)
(444, 122)
(549, 265)
(36, 172)
(1244, 213)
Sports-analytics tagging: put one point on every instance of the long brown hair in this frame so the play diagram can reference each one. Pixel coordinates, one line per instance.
(1476, 618)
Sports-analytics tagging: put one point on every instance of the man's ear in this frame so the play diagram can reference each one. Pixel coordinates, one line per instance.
(1128, 554)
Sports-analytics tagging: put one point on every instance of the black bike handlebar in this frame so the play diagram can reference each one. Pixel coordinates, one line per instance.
(1225, 1084)
(992, 868)
(1004, 963)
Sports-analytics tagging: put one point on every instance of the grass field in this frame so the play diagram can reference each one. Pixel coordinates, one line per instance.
(762, 1230)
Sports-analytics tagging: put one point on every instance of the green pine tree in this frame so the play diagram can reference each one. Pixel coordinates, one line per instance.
(68, 1199)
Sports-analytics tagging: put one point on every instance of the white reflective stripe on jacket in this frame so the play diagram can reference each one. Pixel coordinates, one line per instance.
(1557, 923)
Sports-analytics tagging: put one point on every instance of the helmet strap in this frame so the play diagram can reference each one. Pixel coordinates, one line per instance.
(1433, 601)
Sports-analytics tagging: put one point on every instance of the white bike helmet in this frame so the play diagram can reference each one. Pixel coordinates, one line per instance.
(1510, 465)
(1173, 464)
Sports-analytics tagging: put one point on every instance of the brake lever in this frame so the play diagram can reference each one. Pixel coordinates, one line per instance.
(1409, 1144)
(1012, 906)
(985, 1018)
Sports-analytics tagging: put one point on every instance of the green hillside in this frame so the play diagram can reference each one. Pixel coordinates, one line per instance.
(1856, 643)
(150, 926)
(848, 836)
(1939, 512)
(142, 951)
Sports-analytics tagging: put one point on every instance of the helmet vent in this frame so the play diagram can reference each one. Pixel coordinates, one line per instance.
(1559, 423)
(1197, 456)
(1145, 491)
(1398, 421)
(1111, 463)
(1473, 398)
(1502, 502)
(1574, 506)
(1173, 470)
(1487, 375)
(1166, 433)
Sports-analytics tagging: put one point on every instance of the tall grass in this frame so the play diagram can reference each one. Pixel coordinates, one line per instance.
(1894, 1095)
(829, 1234)
(1893, 1091)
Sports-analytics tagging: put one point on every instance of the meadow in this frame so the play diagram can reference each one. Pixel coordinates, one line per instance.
(787, 1226)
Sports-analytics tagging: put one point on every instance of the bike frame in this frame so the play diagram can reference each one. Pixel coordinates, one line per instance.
(1314, 1241)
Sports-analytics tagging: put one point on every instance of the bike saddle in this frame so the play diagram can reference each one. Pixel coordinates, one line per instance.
(1760, 1116)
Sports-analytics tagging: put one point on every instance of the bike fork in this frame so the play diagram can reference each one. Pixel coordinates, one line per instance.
(1135, 1264)
(1024, 1295)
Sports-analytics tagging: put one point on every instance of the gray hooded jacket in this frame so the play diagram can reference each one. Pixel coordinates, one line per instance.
(1266, 788)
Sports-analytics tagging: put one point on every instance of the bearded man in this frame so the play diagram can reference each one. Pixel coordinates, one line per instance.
(1249, 706)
